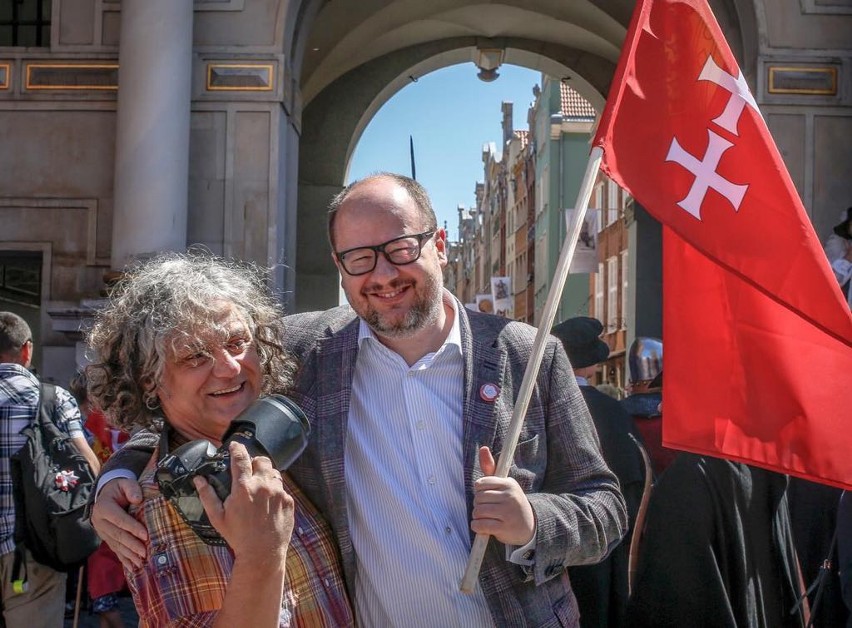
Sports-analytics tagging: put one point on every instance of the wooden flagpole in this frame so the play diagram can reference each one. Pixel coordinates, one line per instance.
(504, 461)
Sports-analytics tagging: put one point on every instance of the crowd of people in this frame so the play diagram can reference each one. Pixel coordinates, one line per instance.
(408, 397)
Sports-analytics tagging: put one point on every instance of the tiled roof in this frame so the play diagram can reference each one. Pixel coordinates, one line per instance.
(524, 136)
(575, 106)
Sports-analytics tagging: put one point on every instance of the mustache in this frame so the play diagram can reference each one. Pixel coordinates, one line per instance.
(393, 284)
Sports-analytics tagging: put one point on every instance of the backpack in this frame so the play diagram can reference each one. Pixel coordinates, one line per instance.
(52, 482)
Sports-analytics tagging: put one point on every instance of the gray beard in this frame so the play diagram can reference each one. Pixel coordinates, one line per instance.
(425, 311)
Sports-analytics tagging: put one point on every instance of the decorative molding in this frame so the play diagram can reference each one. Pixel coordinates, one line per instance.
(219, 5)
(243, 77)
(5, 70)
(802, 80)
(207, 5)
(71, 76)
(827, 7)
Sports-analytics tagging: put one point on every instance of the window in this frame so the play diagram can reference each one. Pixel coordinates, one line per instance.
(624, 276)
(25, 22)
(611, 202)
(599, 292)
(20, 278)
(597, 202)
(522, 272)
(612, 280)
(540, 275)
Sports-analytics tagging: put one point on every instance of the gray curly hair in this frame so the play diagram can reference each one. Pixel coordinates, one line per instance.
(175, 299)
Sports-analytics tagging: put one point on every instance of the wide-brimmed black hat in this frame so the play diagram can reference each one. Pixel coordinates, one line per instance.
(842, 229)
(581, 338)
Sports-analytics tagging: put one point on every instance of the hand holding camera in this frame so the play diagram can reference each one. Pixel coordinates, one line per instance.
(272, 427)
(256, 519)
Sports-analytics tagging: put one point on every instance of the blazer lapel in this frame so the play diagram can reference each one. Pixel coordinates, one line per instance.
(484, 366)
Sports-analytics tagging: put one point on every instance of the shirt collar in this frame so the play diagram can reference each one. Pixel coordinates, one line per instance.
(581, 381)
(8, 369)
(453, 338)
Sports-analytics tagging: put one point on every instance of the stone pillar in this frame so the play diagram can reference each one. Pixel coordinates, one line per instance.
(152, 129)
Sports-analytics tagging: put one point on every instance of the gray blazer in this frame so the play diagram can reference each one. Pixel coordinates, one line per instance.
(580, 513)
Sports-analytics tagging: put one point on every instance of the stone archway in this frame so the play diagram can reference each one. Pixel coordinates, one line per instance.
(354, 58)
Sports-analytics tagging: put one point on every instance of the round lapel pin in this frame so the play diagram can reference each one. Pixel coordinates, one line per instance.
(489, 392)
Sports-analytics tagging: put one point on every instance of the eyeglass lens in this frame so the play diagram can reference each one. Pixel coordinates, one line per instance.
(399, 251)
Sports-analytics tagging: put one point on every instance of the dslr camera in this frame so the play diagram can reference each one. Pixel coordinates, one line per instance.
(272, 426)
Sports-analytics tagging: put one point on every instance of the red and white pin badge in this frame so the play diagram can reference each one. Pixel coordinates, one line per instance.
(489, 392)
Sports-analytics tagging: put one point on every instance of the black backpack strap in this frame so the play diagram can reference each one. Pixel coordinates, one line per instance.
(46, 404)
(19, 570)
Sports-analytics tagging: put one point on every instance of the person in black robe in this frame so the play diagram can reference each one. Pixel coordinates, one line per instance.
(844, 551)
(814, 511)
(602, 589)
(717, 549)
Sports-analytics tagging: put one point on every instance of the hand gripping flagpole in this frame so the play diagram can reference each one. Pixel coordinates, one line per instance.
(504, 461)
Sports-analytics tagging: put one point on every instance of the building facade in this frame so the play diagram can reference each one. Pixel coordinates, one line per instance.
(562, 129)
(235, 121)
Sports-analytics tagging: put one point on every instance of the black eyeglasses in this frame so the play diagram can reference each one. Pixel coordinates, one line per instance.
(399, 252)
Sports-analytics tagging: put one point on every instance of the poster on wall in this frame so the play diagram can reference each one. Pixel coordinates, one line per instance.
(485, 303)
(501, 293)
(586, 255)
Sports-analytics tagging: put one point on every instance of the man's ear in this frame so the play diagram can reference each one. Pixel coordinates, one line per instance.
(26, 354)
(441, 245)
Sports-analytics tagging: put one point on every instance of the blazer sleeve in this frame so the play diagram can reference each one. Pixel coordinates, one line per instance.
(579, 509)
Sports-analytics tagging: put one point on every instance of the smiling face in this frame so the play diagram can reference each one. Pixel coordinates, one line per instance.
(206, 384)
(397, 302)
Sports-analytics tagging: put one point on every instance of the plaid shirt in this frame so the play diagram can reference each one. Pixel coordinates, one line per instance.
(183, 582)
(18, 407)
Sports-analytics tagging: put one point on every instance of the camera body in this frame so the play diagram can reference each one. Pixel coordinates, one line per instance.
(272, 426)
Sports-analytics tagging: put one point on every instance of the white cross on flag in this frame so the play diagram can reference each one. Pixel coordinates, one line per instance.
(758, 335)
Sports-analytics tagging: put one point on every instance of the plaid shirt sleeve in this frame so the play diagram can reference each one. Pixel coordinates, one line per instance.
(66, 413)
(18, 403)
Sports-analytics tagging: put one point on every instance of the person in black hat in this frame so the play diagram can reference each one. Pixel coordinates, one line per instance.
(602, 589)
(838, 249)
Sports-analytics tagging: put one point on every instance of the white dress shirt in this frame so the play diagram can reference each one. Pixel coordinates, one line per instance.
(405, 488)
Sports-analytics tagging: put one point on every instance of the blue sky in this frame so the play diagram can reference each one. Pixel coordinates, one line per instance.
(451, 114)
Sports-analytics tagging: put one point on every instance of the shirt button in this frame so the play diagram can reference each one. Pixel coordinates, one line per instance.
(432, 479)
(421, 424)
(447, 530)
(301, 532)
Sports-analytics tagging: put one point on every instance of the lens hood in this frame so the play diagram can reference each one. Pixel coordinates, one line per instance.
(272, 426)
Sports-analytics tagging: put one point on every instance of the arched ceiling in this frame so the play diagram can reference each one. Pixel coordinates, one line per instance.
(345, 35)
(530, 58)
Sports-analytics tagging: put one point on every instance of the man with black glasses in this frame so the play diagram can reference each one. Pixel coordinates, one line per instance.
(408, 395)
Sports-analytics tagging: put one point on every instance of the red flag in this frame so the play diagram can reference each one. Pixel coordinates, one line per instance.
(758, 335)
